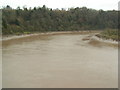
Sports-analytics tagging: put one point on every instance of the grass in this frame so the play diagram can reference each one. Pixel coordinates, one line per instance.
(110, 34)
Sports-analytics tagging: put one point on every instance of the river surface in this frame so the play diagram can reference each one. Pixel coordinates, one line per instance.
(58, 61)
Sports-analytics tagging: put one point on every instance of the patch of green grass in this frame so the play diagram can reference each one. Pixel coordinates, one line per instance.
(110, 34)
(27, 33)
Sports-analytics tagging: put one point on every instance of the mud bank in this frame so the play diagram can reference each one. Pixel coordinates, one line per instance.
(59, 61)
(9, 37)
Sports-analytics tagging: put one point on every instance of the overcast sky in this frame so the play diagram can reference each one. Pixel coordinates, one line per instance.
(95, 4)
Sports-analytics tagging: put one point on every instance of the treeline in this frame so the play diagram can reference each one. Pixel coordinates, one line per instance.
(43, 19)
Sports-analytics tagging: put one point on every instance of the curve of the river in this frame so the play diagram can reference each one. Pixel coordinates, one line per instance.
(59, 61)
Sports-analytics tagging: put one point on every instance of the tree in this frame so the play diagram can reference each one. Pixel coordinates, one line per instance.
(43, 19)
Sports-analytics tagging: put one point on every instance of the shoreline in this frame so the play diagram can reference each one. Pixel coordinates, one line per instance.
(9, 37)
(91, 36)
(104, 40)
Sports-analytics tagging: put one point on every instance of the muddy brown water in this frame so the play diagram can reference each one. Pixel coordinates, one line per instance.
(58, 61)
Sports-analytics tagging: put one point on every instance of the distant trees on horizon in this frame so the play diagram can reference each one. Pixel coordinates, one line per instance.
(43, 19)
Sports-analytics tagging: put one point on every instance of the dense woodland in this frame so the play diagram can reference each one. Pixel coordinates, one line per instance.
(43, 19)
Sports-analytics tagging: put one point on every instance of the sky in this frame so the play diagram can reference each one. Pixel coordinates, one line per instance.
(94, 4)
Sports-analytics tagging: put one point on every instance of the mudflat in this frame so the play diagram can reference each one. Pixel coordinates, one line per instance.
(59, 61)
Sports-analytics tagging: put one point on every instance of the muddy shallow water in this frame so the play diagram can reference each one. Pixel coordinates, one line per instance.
(58, 61)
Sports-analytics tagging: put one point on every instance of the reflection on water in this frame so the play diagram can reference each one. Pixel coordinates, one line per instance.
(58, 61)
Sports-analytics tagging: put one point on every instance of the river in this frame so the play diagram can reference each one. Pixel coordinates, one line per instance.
(58, 61)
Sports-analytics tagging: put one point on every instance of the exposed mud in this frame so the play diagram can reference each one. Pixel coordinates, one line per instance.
(59, 61)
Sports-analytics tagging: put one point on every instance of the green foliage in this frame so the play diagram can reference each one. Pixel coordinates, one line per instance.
(111, 34)
(43, 19)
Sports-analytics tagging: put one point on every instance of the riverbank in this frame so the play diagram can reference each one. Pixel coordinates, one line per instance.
(9, 37)
(90, 37)
(109, 35)
(99, 42)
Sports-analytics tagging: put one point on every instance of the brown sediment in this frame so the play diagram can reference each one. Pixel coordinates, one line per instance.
(87, 38)
(58, 61)
(8, 37)
(98, 43)
(8, 40)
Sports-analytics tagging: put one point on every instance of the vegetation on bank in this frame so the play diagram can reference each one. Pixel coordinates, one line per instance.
(43, 19)
(110, 34)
